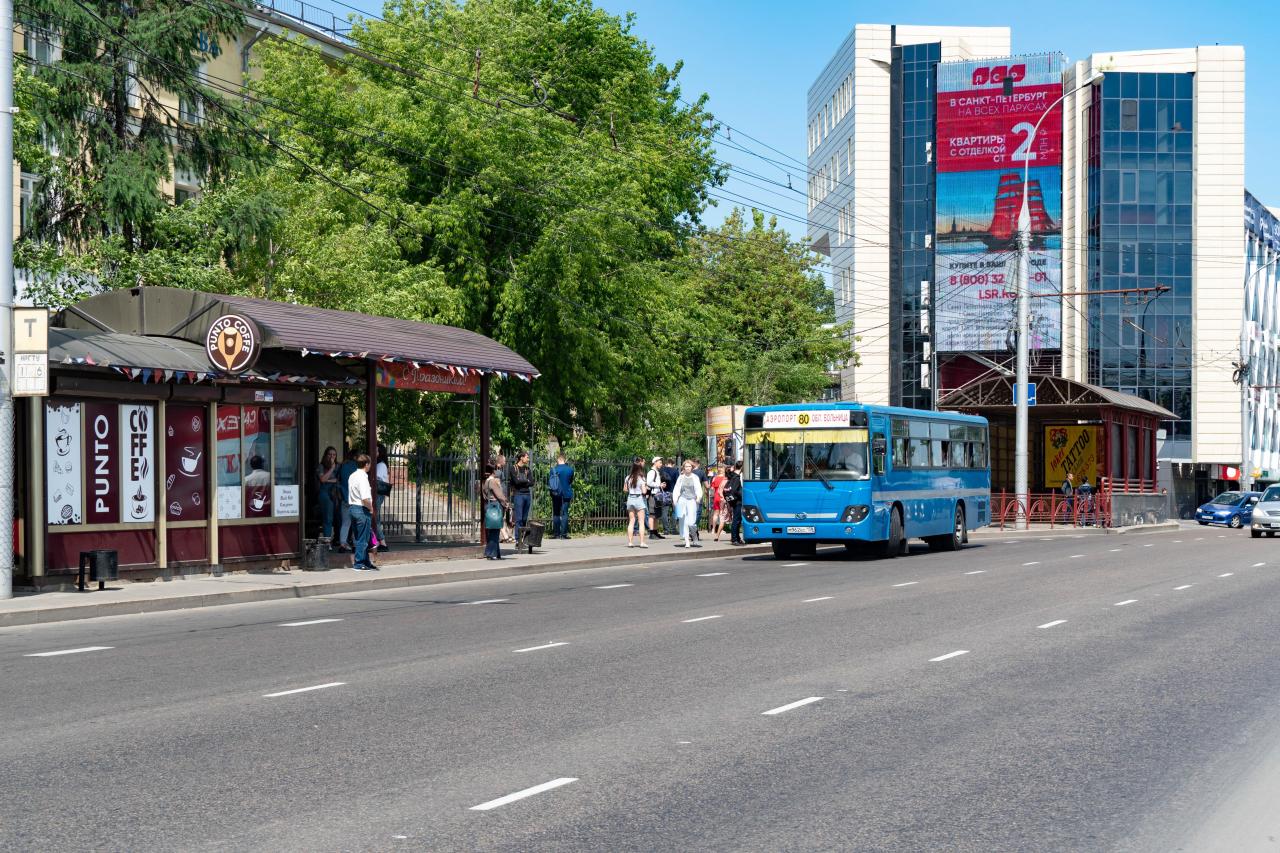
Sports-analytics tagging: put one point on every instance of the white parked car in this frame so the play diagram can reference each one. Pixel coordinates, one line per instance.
(1266, 514)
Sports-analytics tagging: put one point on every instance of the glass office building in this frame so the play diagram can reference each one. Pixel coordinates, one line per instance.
(1140, 235)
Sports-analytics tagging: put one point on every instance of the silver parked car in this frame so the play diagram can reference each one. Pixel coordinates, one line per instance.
(1266, 514)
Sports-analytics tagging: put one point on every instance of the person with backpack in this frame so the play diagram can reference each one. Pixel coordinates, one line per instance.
(657, 496)
(560, 484)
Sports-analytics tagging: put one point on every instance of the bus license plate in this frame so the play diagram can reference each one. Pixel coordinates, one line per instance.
(800, 530)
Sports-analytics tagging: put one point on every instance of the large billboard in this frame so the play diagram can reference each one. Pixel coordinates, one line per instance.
(986, 112)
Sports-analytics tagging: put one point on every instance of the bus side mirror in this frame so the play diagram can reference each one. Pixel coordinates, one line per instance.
(879, 449)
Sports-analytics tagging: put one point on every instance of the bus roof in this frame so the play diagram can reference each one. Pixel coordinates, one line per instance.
(870, 409)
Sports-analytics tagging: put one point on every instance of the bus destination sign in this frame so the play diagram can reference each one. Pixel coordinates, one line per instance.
(800, 419)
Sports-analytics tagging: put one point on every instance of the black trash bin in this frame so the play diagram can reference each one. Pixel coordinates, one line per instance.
(102, 566)
(531, 535)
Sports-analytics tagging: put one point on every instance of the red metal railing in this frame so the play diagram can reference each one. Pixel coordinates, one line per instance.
(1059, 510)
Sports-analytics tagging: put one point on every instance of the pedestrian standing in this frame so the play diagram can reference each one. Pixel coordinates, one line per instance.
(330, 493)
(654, 501)
(495, 511)
(345, 470)
(521, 493)
(701, 474)
(733, 502)
(381, 491)
(560, 482)
(1069, 492)
(635, 487)
(688, 494)
(1084, 496)
(670, 473)
(718, 479)
(504, 478)
(360, 501)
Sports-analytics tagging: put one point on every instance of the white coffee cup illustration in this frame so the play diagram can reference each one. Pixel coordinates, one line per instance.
(190, 460)
(258, 501)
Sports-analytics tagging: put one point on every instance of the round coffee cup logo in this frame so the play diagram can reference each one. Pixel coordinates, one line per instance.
(233, 343)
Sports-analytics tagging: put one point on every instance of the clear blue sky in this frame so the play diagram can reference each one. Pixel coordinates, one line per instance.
(756, 59)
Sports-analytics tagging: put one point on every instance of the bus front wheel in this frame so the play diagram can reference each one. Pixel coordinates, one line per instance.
(781, 550)
(895, 544)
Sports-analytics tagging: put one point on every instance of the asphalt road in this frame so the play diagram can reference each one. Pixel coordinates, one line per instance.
(1077, 693)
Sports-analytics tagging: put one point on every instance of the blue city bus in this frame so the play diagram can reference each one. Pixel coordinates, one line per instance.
(816, 473)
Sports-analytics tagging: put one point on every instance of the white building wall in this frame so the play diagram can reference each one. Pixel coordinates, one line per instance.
(859, 201)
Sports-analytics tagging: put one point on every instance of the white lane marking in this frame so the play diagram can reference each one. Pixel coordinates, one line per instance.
(615, 586)
(1199, 538)
(1149, 545)
(702, 618)
(68, 652)
(978, 572)
(308, 622)
(1046, 539)
(794, 565)
(1032, 563)
(791, 706)
(486, 601)
(303, 689)
(1113, 550)
(1053, 623)
(908, 583)
(1226, 574)
(1126, 601)
(1257, 565)
(527, 792)
(539, 648)
(820, 598)
(1076, 556)
(1177, 542)
(954, 654)
(712, 574)
(1184, 586)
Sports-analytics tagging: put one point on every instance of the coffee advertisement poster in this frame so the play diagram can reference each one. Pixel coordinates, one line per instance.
(102, 463)
(185, 463)
(63, 458)
(137, 453)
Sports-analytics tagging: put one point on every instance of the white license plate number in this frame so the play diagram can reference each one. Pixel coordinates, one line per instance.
(801, 530)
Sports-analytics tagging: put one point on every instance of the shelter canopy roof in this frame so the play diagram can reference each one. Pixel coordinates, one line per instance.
(996, 393)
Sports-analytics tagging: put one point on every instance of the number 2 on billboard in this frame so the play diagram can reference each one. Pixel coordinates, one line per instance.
(1023, 151)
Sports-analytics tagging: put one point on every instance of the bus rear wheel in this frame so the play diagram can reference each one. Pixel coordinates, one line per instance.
(781, 550)
(896, 543)
(953, 540)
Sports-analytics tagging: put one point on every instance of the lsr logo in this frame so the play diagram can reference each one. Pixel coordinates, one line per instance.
(998, 74)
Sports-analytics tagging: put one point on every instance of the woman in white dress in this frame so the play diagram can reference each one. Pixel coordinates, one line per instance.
(687, 494)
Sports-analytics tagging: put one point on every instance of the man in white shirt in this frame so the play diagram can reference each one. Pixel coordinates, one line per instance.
(360, 499)
(656, 508)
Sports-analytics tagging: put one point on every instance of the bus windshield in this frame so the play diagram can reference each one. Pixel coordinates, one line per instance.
(815, 454)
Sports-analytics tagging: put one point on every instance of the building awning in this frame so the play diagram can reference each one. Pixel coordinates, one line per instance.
(996, 393)
(186, 314)
(157, 359)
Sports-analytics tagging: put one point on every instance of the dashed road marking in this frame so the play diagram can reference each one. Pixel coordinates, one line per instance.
(1076, 556)
(1226, 574)
(1184, 586)
(791, 706)
(977, 572)
(793, 565)
(908, 583)
(615, 586)
(303, 689)
(712, 574)
(307, 622)
(487, 601)
(1126, 601)
(1032, 563)
(538, 648)
(68, 652)
(949, 655)
(820, 598)
(1053, 623)
(527, 792)
(1114, 550)
(702, 618)
(1257, 565)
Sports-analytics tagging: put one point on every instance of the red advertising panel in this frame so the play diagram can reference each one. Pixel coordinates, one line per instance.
(990, 157)
(409, 378)
(185, 448)
(102, 463)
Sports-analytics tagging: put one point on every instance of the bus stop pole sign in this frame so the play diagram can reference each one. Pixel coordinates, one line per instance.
(1031, 393)
(30, 352)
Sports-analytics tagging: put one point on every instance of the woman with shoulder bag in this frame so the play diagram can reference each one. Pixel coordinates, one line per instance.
(521, 493)
(330, 493)
(688, 494)
(635, 488)
(381, 491)
(495, 513)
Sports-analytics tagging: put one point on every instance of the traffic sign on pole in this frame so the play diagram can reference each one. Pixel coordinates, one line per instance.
(30, 352)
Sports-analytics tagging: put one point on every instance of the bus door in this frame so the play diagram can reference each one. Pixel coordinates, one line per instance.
(879, 457)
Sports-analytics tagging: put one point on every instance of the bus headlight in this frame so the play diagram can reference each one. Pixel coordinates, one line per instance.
(751, 513)
(855, 513)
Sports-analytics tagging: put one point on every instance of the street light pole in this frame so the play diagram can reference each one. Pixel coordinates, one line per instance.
(7, 473)
(1022, 390)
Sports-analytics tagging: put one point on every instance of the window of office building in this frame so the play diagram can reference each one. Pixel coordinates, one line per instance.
(1140, 236)
(913, 85)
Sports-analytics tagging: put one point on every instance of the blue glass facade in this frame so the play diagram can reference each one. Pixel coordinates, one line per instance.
(1140, 235)
(913, 102)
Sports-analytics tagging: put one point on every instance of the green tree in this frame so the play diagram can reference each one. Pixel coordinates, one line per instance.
(124, 109)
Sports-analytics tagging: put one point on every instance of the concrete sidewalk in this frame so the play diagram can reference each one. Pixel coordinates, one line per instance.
(180, 593)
